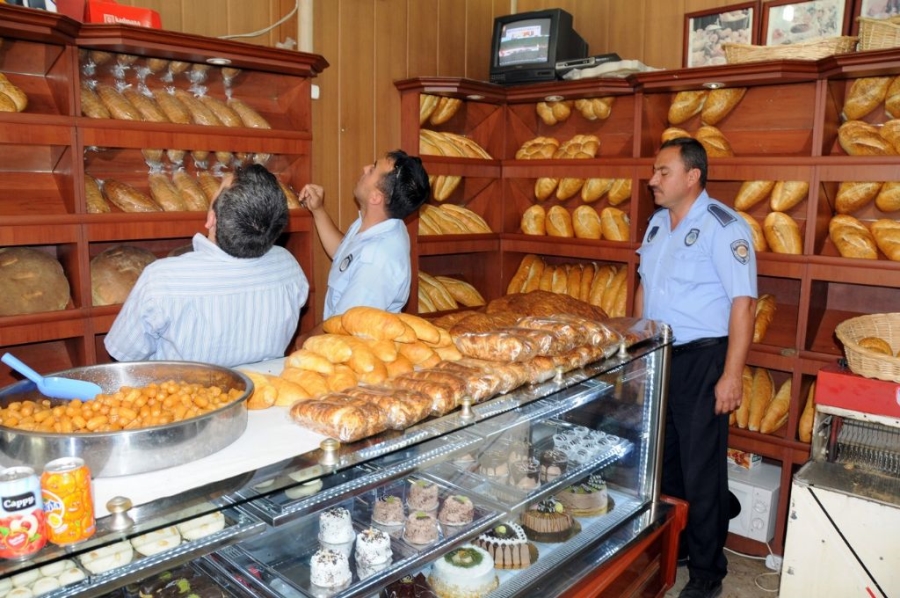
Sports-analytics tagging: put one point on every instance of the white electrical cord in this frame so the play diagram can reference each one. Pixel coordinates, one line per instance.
(267, 29)
(757, 579)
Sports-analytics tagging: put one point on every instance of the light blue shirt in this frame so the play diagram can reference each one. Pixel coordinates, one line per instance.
(210, 307)
(371, 268)
(691, 275)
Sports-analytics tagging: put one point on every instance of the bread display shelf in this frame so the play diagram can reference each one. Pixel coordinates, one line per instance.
(451, 244)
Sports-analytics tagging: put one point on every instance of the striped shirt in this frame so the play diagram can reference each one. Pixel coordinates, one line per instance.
(210, 307)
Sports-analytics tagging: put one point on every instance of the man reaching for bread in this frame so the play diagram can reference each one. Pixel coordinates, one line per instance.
(698, 274)
(235, 299)
(371, 263)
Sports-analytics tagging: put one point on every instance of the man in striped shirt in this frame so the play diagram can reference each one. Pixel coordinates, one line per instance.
(234, 299)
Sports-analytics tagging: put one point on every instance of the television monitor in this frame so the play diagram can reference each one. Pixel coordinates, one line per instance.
(526, 46)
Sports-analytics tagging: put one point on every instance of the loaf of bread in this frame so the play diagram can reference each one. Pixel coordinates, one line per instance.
(145, 105)
(751, 193)
(264, 394)
(127, 198)
(440, 297)
(804, 428)
(544, 187)
(890, 132)
(443, 186)
(887, 237)
(686, 104)
(888, 199)
(673, 133)
(852, 238)
(782, 234)
(619, 192)
(539, 148)
(858, 138)
(615, 224)
(876, 344)
(427, 104)
(339, 416)
(759, 238)
(714, 142)
(568, 187)
(312, 382)
(91, 106)
(761, 394)
(559, 222)
(533, 220)
(593, 189)
(445, 110)
(249, 116)
(31, 281)
(287, 392)
(114, 272)
(192, 194)
(854, 195)
(96, 203)
(402, 407)
(865, 94)
(165, 193)
(586, 222)
(470, 219)
(463, 292)
(787, 194)
(554, 112)
(765, 313)
(305, 359)
(496, 346)
(517, 282)
(719, 104)
(118, 107)
(578, 147)
(776, 414)
(469, 147)
(742, 413)
(595, 108)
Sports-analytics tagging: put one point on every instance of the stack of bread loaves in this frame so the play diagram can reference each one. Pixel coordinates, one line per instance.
(441, 293)
(555, 112)
(578, 147)
(779, 232)
(611, 223)
(451, 219)
(762, 408)
(601, 285)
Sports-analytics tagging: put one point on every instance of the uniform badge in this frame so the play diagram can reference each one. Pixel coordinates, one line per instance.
(691, 237)
(652, 233)
(740, 249)
(345, 263)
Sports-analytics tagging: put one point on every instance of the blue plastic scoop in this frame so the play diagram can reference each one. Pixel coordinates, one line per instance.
(54, 386)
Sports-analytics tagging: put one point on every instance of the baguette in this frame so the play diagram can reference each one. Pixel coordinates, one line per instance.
(534, 220)
(192, 193)
(751, 193)
(761, 394)
(128, 199)
(742, 414)
(559, 222)
(686, 104)
(223, 112)
(210, 184)
(765, 313)
(424, 330)
(91, 106)
(714, 141)
(174, 109)
(200, 112)
(517, 282)
(719, 104)
(462, 292)
(149, 110)
(118, 107)
(782, 234)
(559, 281)
(376, 324)
(444, 111)
(427, 104)
(804, 428)
(165, 193)
(777, 411)
(250, 117)
(865, 94)
(96, 203)
(473, 221)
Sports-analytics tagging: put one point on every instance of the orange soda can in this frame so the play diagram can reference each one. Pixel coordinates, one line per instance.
(68, 501)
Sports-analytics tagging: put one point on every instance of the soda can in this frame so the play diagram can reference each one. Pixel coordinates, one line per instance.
(22, 529)
(68, 501)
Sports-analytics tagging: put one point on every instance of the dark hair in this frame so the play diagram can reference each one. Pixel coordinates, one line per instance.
(693, 155)
(406, 186)
(251, 213)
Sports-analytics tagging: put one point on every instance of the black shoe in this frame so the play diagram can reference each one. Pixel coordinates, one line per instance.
(701, 588)
(682, 561)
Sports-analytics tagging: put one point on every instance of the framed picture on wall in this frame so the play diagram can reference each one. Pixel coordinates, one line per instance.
(789, 21)
(705, 31)
(877, 9)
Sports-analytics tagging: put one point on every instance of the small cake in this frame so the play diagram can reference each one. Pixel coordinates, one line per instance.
(329, 569)
(548, 521)
(553, 464)
(464, 571)
(525, 474)
(507, 544)
(457, 510)
(423, 496)
(494, 465)
(388, 510)
(586, 499)
(335, 526)
(421, 528)
(373, 547)
(409, 587)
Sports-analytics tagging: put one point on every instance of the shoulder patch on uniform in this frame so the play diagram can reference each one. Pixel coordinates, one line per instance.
(740, 249)
(721, 214)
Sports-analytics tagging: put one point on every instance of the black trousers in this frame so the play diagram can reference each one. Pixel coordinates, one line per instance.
(694, 456)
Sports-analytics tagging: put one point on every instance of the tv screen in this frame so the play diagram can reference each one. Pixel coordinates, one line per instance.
(526, 46)
(524, 42)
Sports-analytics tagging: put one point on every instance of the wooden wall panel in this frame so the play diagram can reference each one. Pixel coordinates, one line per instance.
(422, 38)
(451, 34)
(390, 66)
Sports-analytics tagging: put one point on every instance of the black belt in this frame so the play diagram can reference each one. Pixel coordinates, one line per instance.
(700, 343)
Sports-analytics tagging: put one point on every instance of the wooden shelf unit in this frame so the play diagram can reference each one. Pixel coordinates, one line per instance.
(47, 150)
(785, 128)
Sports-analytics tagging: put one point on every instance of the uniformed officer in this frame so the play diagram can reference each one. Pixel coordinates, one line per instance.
(698, 274)
(371, 263)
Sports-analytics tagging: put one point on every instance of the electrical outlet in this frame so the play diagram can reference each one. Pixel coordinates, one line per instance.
(773, 562)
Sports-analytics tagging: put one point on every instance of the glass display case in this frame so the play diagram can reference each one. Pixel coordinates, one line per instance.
(588, 439)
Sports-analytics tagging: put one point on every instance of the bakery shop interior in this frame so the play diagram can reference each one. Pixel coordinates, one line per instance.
(307, 298)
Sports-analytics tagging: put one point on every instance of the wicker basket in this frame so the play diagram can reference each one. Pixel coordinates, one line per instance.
(808, 50)
(866, 362)
(875, 34)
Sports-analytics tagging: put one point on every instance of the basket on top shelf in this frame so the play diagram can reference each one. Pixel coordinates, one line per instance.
(813, 49)
(867, 362)
(875, 34)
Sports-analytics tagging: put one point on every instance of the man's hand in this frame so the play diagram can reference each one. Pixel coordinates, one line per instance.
(312, 197)
(729, 392)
